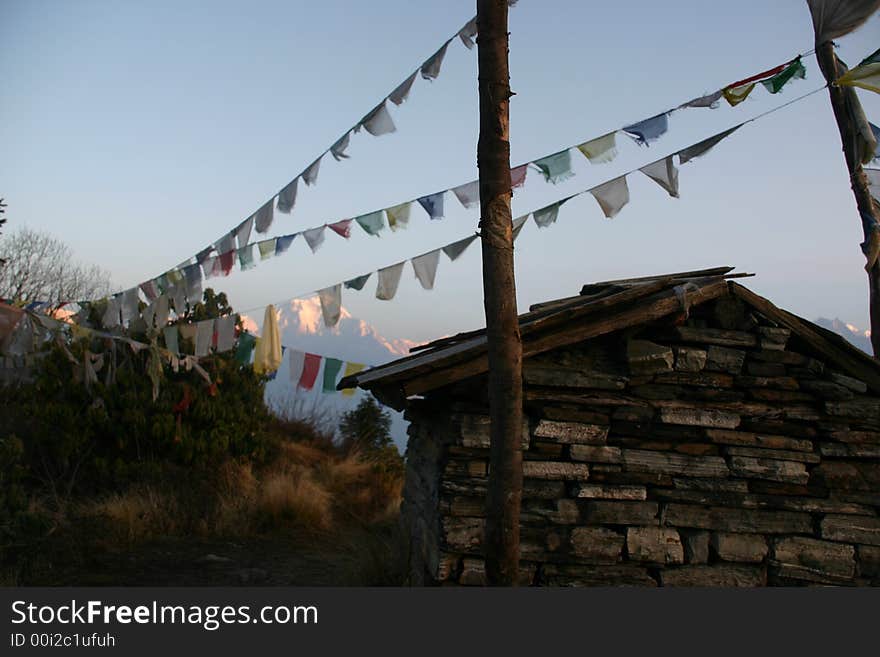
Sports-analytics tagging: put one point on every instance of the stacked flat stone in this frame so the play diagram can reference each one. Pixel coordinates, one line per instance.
(720, 452)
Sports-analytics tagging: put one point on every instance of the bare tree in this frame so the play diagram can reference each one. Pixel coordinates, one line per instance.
(40, 267)
(2, 221)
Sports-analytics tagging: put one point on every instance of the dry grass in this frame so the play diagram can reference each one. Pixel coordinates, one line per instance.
(137, 514)
(333, 514)
(306, 488)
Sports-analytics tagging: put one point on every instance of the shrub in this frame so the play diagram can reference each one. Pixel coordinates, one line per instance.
(366, 430)
(81, 437)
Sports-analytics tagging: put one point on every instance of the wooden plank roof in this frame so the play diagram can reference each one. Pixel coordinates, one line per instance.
(599, 309)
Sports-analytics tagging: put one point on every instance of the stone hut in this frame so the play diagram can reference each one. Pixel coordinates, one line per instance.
(680, 431)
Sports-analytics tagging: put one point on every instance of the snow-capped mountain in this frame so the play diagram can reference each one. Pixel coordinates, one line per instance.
(352, 340)
(858, 337)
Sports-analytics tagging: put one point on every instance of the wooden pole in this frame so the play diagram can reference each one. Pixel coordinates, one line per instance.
(499, 292)
(830, 69)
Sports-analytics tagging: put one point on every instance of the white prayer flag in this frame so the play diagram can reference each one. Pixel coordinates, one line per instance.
(701, 148)
(337, 150)
(225, 333)
(873, 176)
(177, 294)
(431, 68)
(193, 278)
(204, 337)
(709, 100)
(378, 122)
(130, 305)
(664, 173)
(243, 232)
(193, 292)
(314, 237)
(297, 365)
(548, 215)
(389, 279)
(454, 250)
(287, 197)
(468, 32)
(425, 268)
(331, 304)
(171, 344)
(612, 196)
(518, 224)
(264, 216)
(149, 315)
(225, 244)
(400, 94)
(468, 194)
(208, 265)
(310, 175)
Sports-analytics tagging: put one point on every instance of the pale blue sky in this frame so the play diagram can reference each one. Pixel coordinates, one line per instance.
(139, 132)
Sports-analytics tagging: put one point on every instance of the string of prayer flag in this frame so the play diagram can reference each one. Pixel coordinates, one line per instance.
(555, 168)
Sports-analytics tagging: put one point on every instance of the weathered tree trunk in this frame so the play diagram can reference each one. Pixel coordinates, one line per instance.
(499, 291)
(828, 63)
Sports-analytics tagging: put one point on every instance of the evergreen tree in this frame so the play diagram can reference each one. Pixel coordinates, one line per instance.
(367, 428)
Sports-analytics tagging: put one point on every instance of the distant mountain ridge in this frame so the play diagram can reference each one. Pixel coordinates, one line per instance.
(301, 325)
(853, 334)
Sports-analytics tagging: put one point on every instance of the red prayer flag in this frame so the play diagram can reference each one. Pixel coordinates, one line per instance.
(227, 260)
(518, 176)
(759, 76)
(310, 371)
(342, 228)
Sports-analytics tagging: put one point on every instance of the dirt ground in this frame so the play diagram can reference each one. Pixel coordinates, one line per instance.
(358, 558)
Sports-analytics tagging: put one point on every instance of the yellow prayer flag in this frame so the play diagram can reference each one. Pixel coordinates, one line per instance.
(736, 95)
(398, 216)
(600, 150)
(267, 353)
(351, 368)
(866, 76)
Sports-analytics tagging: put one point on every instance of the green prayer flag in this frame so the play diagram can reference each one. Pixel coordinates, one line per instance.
(246, 257)
(245, 348)
(358, 283)
(556, 167)
(795, 70)
(331, 372)
(547, 215)
(873, 58)
(372, 223)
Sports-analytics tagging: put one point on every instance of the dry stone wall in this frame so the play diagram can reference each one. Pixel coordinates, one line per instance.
(698, 455)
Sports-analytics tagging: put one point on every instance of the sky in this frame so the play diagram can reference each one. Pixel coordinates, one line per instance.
(138, 133)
